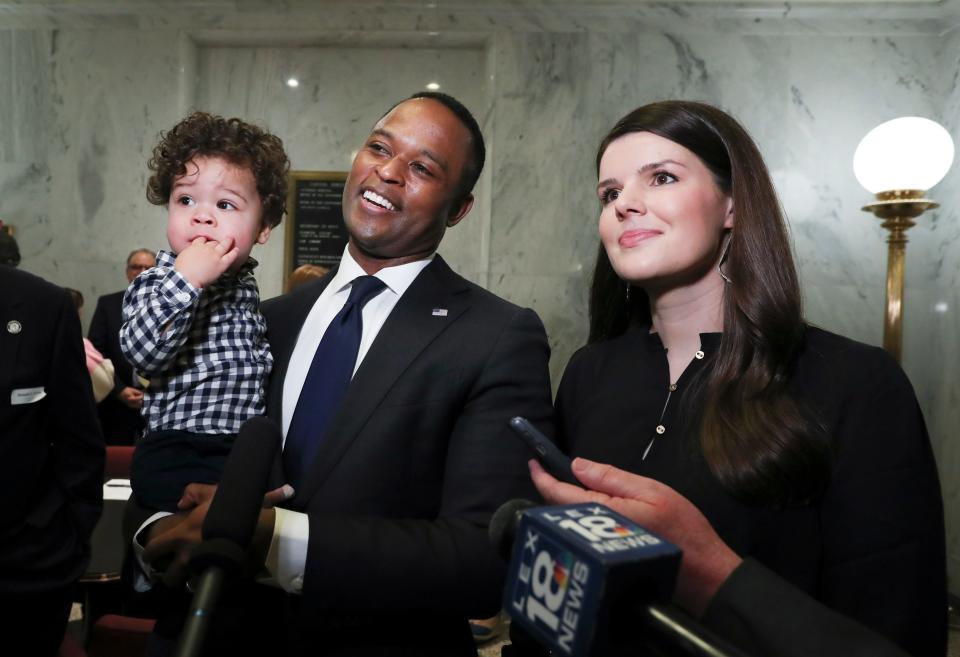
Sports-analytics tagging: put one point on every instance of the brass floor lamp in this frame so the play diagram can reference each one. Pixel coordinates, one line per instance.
(898, 161)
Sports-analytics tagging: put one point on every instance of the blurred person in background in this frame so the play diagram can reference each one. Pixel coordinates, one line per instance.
(120, 411)
(9, 251)
(100, 368)
(51, 459)
(303, 274)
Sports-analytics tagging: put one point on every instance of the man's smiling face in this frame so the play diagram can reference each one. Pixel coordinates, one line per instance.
(404, 186)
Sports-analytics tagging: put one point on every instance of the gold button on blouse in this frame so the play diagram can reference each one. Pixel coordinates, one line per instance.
(661, 429)
(673, 387)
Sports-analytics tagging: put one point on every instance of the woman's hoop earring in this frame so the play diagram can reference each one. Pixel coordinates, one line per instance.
(723, 256)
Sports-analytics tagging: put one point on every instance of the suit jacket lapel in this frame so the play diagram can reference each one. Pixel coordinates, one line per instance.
(409, 329)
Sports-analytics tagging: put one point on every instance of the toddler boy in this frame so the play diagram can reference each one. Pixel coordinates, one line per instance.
(192, 324)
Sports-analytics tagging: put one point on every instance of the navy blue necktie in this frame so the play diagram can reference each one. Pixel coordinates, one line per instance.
(327, 380)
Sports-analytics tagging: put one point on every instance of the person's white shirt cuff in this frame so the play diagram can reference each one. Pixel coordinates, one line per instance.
(145, 575)
(287, 557)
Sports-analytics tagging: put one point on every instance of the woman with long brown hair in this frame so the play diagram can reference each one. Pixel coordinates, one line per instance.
(758, 437)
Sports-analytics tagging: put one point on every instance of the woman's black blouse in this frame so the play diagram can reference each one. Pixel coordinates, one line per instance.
(872, 547)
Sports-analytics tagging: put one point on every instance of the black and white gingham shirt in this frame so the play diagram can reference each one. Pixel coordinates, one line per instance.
(204, 351)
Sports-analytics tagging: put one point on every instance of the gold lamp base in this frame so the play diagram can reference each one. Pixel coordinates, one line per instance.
(898, 209)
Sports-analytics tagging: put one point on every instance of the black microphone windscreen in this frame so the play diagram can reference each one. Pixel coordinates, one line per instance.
(503, 525)
(236, 507)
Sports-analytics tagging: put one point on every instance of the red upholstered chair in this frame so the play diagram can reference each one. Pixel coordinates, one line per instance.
(111, 636)
(118, 462)
(69, 647)
(119, 636)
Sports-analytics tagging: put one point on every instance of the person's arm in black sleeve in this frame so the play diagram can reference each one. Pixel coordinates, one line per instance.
(884, 561)
(763, 614)
(99, 336)
(72, 428)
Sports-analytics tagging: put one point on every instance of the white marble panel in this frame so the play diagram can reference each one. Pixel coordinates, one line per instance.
(24, 194)
(342, 92)
(24, 94)
(556, 16)
(544, 133)
(561, 302)
(931, 358)
(856, 312)
(940, 375)
(112, 91)
(942, 239)
(835, 89)
(25, 111)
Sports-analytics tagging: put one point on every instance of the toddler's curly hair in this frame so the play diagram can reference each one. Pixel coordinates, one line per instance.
(242, 144)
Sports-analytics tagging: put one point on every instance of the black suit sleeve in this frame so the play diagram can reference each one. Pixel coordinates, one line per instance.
(53, 449)
(884, 559)
(98, 328)
(73, 430)
(444, 563)
(99, 336)
(763, 614)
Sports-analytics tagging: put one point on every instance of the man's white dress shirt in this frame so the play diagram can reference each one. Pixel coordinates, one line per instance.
(287, 557)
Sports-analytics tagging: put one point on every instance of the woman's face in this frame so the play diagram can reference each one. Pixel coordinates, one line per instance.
(663, 215)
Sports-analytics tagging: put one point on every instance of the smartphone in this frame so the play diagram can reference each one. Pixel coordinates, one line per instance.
(549, 455)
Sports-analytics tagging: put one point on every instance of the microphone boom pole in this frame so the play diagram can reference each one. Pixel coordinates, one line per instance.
(229, 525)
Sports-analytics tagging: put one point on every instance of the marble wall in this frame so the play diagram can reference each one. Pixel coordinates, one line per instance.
(84, 96)
(933, 366)
(25, 106)
(75, 190)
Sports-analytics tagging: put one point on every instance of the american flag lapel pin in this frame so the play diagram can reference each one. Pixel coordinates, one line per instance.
(439, 312)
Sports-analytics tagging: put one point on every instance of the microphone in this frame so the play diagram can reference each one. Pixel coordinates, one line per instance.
(233, 514)
(503, 525)
(585, 580)
(230, 522)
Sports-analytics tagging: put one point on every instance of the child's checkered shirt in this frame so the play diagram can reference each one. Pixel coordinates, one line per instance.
(204, 351)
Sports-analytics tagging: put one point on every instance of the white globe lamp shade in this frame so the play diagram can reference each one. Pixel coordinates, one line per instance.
(906, 153)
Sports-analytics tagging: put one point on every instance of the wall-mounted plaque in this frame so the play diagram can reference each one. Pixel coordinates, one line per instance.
(315, 231)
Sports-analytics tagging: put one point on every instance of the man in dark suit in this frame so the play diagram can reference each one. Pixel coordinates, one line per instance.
(383, 547)
(51, 461)
(120, 412)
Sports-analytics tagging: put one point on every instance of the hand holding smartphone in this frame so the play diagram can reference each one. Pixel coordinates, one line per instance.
(549, 455)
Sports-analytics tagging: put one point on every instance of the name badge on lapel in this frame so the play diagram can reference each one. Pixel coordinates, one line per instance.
(22, 396)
